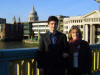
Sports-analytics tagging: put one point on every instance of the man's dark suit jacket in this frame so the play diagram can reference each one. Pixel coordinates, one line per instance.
(50, 55)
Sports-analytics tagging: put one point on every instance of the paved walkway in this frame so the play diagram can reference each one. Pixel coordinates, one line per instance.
(97, 73)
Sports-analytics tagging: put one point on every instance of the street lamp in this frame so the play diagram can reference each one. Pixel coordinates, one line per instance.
(99, 3)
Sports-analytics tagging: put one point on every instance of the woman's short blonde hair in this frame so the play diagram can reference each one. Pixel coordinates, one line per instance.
(70, 32)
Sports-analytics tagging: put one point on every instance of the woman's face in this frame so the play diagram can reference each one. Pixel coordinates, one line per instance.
(75, 34)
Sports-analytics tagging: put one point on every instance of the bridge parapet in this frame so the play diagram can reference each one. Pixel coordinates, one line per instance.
(18, 61)
(95, 57)
(21, 61)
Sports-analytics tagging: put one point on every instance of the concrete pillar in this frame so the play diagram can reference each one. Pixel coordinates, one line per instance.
(83, 32)
(92, 34)
(86, 33)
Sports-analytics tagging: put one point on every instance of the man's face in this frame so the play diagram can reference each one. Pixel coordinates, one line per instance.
(52, 26)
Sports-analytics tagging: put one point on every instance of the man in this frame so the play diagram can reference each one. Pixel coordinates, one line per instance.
(53, 50)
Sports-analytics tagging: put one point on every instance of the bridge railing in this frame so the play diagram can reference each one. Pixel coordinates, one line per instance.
(18, 61)
(95, 57)
(21, 61)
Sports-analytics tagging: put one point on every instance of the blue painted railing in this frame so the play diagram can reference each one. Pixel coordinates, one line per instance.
(95, 57)
(21, 61)
(18, 61)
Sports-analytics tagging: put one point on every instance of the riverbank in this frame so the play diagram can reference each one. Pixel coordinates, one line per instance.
(17, 44)
(30, 41)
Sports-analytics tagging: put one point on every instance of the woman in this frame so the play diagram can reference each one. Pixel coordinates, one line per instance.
(80, 53)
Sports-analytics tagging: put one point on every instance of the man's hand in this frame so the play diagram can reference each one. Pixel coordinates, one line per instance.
(65, 55)
(41, 71)
(87, 74)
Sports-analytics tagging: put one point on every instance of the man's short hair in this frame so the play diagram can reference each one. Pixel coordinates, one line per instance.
(53, 18)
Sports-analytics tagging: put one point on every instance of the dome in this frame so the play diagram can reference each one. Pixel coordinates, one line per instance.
(32, 16)
(33, 12)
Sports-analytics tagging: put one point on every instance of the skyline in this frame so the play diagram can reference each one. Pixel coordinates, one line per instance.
(22, 8)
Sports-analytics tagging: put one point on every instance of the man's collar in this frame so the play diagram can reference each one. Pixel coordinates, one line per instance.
(52, 33)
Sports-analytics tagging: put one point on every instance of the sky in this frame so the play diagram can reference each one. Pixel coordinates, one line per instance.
(45, 8)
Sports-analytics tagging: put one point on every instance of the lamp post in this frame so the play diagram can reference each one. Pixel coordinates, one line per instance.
(99, 4)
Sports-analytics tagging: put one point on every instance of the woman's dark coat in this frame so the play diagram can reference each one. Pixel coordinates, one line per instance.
(84, 58)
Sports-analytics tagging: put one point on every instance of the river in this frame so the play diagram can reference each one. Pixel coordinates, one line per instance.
(16, 44)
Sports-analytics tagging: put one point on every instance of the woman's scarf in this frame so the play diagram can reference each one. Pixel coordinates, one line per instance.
(75, 45)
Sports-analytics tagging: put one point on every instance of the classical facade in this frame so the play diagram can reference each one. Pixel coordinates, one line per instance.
(89, 25)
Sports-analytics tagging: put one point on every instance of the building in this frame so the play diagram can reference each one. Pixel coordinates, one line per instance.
(61, 25)
(39, 27)
(33, 17)
(13, 20)
(2, 21)
(89, 25)
(28, 33)
(11, 32)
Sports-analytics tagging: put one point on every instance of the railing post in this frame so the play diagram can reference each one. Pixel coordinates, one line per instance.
(35, 67)
(4, 67)
(17, 61)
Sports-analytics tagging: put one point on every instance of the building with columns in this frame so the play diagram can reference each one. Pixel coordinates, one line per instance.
(89, 25)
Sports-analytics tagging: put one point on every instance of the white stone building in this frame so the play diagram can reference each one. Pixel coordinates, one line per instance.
(40, 27)
(89, 25)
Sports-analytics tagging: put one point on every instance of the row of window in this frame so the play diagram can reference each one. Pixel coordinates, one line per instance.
(80, 26)
(40, 30)
(40, 25)
(84, 20)
(74, 21)
(92, 20)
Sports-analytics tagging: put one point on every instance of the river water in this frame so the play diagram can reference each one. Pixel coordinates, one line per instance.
(16, 44)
